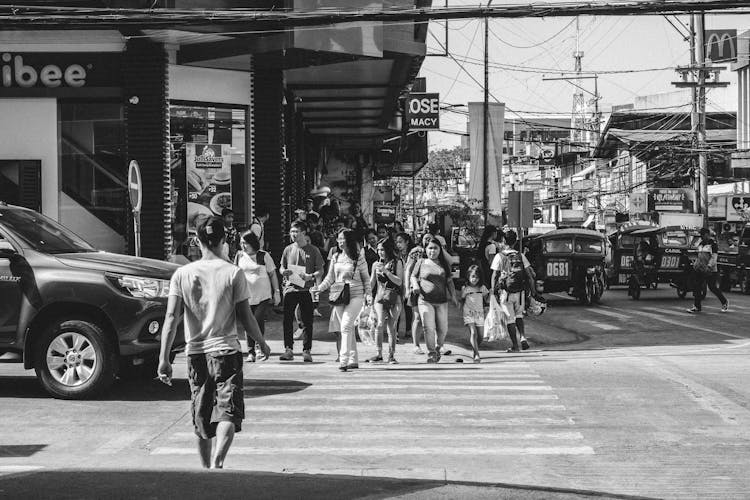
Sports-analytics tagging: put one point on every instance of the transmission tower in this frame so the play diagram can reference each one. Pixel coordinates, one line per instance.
(578, 122)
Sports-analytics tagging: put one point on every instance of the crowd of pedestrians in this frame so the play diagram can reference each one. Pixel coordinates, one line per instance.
(225, 297)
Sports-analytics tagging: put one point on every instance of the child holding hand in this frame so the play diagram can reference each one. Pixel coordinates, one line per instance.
(472, 305)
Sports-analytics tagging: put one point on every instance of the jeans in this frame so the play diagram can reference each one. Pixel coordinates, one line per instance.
(291, 301)
(259, 311)
(387, 318)
(435, 323)
(701, 281)
(347, 315)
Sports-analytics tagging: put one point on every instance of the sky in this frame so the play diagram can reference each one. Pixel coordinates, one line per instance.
(539, 47)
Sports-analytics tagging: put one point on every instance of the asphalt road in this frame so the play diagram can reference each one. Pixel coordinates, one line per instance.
(618, 400)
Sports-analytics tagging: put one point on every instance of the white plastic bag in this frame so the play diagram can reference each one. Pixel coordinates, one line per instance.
(495, 325)
(365, 325)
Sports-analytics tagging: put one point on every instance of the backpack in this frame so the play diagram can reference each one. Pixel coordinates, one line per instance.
(515, 278)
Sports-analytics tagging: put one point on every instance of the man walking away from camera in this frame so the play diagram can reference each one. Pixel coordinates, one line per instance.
(214, 295)
(510, 281)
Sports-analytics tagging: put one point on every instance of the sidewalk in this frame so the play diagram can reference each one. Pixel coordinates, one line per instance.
(457, 339)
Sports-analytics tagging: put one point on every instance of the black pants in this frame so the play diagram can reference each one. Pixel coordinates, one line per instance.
(701, 280)
(291, 301)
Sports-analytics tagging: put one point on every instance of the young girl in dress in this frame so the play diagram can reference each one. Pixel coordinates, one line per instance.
(472, 298)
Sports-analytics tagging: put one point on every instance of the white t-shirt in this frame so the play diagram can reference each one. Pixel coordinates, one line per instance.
(257, 276)
(210, 289)
(498, 260)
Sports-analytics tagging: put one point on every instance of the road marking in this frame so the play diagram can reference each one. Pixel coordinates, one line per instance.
(414, 397)
(18, 469)
(623, 317)
(116, 445)
(472, 450)
(364, 435)
(684, 325)
(437, 409)
(601, 326)
(381, 387)
(665, 311)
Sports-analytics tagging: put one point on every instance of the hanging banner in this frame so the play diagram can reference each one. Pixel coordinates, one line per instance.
(494, 166)
(209, 181)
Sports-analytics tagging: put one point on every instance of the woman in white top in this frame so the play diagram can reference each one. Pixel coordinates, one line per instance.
(347, 266)
(260, 272)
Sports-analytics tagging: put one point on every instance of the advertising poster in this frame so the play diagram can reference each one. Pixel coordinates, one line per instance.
(671, 200)
(209, 181)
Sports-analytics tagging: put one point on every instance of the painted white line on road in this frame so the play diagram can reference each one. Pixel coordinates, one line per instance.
(17, 469)
(375, 387)
(601, 326)
(116, 445)
(665, 311)
(436, 409)
(565, 297)
(687, 326)
(596, 310)
(414, 397)
(441, 423)
(451, 450)
(364, 435)
(341, 381)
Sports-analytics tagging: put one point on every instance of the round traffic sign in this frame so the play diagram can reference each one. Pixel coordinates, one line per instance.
(135, 186)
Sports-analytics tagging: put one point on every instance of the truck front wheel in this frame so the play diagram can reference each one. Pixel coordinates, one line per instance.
(75, 359)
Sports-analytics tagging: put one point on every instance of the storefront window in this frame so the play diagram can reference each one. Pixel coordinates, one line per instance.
(207, 152)
(93, 171)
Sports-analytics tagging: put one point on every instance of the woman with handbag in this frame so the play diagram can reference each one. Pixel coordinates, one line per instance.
(349, 284)
(387, 275)
(412, 295)
(432, 277)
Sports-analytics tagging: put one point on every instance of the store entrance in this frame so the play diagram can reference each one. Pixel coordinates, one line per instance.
(20, 183)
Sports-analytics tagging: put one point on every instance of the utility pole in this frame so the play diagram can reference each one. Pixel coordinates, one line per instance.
(485, 135)
(695, 78)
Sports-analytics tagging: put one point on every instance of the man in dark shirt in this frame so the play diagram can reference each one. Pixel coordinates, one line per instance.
(707, 272)
(233, 236)
(371, 245)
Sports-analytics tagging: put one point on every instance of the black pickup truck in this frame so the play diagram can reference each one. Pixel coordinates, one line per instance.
(78, 316)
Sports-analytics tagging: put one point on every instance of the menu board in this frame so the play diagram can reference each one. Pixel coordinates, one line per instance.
(209, 181)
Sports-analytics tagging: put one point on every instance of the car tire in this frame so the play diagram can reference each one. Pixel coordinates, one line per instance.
(75, 359)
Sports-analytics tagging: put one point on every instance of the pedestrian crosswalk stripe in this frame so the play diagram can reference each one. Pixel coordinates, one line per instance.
(490, 398)
(380, 435)
(611, 314)
(477, 387)
(439, 422)
(454, 450)
(395, 409)
(16, 469)
(688, 326)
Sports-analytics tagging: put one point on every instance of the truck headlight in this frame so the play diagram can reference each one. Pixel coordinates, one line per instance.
(140, 287)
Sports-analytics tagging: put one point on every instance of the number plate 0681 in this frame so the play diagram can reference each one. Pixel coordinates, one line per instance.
(558, 269)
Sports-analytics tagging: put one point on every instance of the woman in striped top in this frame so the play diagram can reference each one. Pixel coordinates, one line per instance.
(348, 266)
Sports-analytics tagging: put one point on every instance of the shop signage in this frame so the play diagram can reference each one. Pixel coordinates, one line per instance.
(721, 45)
(384, 213)
(671, 200)
(738, 208)
(423, 111)
(638, 203)
(59, 70)
(209, 180)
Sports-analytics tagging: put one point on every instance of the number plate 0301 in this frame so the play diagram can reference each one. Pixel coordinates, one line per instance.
(558, 269)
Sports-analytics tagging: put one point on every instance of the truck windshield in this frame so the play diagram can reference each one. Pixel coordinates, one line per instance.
(41, 233)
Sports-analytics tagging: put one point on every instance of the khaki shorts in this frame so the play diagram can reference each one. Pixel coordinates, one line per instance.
(512, 305)
(216, 389)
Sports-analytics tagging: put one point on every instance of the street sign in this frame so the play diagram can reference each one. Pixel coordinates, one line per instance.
(423, 111)
(521, 208)
(135, 192)
(135, 186)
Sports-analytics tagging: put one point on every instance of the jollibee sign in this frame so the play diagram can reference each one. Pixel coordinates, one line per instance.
(15, 71)
(75, 70)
